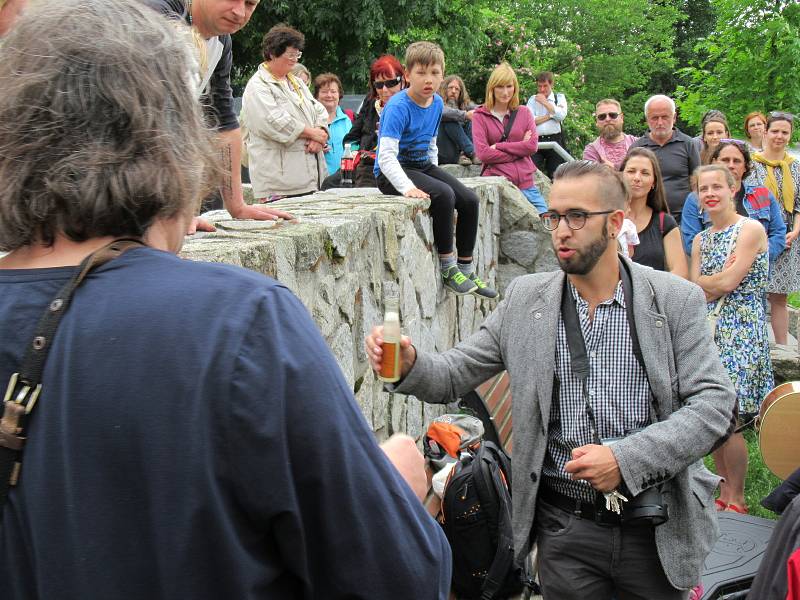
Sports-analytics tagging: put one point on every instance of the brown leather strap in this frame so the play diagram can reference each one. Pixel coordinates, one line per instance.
(25, 386)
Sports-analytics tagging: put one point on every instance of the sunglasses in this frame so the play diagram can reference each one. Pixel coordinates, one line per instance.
(779, 114)
(388, 83)
(604, 116)
(739, 143)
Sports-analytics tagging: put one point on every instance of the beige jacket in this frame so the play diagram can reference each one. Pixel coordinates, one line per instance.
(273, 117)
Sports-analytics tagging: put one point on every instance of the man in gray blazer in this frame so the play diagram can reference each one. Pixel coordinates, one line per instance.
(654, 380)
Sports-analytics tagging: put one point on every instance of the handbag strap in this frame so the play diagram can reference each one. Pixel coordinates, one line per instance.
(509, 124)
(731, 246)
(25, 386)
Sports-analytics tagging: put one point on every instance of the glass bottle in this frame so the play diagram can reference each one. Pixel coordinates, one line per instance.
(390, 363)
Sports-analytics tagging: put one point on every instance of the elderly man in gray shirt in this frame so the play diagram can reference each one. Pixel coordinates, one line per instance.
(677, 154)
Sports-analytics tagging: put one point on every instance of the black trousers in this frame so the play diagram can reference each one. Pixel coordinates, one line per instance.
(447, 194)
(547, 161)
(581, 560)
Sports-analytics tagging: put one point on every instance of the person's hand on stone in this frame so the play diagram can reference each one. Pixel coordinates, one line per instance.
(416, 193)
(260, 212)
(199, 224)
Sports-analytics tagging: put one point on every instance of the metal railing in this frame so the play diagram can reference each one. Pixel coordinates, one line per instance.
(558, 149)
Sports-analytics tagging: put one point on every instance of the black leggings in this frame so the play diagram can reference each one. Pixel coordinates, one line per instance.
(447, 194)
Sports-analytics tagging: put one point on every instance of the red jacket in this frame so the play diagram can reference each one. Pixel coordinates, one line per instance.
(512, 158)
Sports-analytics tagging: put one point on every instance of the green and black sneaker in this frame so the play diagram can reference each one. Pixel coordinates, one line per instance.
(458, 283)
(481, 289)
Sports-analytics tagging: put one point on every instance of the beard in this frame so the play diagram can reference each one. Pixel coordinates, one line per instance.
(610, 131)
(584, 260)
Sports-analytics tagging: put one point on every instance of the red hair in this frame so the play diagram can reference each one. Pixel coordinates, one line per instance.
(385, 66)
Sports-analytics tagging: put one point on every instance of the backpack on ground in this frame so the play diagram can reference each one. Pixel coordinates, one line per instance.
(476, 516)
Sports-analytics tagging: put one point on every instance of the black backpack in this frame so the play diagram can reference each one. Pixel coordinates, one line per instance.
(476, 518)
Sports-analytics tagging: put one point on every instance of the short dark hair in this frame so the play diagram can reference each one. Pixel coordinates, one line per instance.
(323, 79)
(741, 147)
(613, 188)
(101, 132)
(279, 38)
(547, 76)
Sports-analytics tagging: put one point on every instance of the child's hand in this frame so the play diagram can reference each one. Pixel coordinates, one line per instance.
(416, 193)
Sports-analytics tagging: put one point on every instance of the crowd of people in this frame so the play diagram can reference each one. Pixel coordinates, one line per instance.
(666, 244)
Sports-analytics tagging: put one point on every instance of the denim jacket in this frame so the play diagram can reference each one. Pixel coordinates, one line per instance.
(760, 205)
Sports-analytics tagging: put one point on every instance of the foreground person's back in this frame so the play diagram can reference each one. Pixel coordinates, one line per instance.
(178, 450)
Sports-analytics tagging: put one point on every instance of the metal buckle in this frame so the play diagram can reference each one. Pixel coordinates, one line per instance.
(26, 396)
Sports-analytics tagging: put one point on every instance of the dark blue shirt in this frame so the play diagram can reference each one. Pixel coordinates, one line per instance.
(182, 450)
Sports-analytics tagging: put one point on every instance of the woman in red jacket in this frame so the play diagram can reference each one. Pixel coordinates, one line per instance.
(506, 150)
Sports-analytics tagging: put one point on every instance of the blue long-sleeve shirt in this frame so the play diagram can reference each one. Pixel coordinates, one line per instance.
(760, 205)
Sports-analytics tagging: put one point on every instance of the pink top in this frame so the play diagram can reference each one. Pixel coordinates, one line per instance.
(510, 159)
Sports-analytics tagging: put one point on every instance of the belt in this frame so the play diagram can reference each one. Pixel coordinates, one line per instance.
(579, 508)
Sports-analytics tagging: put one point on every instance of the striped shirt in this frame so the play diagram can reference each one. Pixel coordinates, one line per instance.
(619, 392)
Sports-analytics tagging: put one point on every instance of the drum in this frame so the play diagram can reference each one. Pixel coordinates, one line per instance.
(779, 429)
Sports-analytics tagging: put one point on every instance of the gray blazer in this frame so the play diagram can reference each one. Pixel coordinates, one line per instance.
(693, 393)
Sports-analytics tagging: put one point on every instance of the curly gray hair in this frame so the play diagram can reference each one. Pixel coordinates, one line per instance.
(100, 130)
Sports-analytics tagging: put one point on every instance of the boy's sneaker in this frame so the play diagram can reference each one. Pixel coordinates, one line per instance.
(455, 281)
(481, 289)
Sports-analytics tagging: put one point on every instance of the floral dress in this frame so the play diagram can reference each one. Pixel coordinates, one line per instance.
(741, 334)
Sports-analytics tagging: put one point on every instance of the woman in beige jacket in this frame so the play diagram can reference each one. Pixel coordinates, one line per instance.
(286, 127)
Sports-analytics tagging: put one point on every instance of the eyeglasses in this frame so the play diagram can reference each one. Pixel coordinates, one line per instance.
(388, 83)
(293, 55)
(575, 219)
(779, 114)
(604, 116)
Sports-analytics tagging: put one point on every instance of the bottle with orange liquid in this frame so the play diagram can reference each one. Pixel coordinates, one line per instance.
(390, 364)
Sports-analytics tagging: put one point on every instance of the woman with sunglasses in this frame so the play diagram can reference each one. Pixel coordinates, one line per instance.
(659, 238)
(779, 171)
(287, 128)
(385, 80)
(753, 201)
(730, 263)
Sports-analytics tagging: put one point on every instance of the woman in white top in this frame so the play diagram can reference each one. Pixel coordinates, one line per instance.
(287, 128)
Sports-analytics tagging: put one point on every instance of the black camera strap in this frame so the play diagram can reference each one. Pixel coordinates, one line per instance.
(25, 386)
(579, 361)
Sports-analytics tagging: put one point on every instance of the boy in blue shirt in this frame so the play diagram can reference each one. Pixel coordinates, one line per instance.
(407, 165)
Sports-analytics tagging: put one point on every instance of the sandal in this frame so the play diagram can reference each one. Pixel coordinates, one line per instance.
(720, 505)
(737, 509)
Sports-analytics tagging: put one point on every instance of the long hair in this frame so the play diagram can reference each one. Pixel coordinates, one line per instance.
(741, 147)
(656, 197)
(463, 101)
(502, 74)
(101, 132)
(705, 154)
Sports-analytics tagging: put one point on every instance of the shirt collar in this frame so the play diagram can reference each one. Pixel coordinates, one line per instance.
(618, 297)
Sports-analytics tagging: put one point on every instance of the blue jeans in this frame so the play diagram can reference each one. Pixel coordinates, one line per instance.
(535, 197)
(454, 138)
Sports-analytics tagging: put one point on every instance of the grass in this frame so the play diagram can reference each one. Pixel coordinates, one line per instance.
(794, 300)
(759, 482)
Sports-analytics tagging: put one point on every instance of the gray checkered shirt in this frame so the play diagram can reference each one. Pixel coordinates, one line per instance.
(619, 392)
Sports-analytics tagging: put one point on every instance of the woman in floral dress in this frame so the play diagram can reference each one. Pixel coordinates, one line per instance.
(731, 263)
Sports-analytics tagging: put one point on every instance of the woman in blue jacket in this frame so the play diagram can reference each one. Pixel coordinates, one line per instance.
(753, 201)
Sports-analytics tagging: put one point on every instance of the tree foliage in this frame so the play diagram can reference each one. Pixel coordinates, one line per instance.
(748, 62)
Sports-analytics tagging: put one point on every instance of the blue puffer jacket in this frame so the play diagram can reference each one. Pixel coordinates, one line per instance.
(760, 205)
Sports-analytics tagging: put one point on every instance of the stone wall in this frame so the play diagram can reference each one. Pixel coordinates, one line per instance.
(349, 247)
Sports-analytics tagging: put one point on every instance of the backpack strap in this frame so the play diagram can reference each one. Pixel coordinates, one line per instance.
(661, 222)
(496, 499)
(25, 386)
